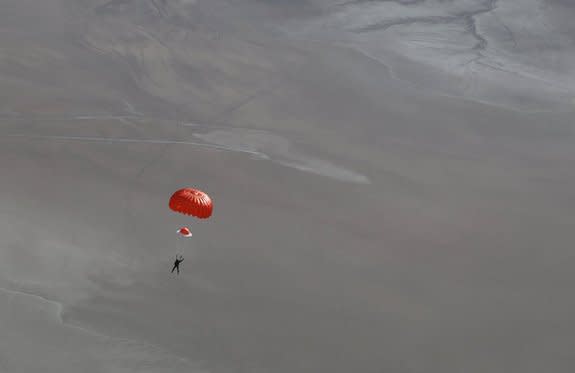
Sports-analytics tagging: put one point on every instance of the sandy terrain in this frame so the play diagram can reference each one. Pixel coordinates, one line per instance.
(372, 213)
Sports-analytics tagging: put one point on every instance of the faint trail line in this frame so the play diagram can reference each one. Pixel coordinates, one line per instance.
(246, 101)
(59, 310)
(113, 140)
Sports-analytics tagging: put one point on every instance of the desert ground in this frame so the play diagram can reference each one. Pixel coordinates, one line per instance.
(393, 186)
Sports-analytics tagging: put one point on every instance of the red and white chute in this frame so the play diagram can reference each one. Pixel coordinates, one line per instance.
(185, 232)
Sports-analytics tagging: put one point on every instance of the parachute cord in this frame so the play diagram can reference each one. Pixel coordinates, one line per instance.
(179, 246)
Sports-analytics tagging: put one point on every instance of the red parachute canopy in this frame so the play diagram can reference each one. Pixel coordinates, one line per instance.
(185, 231)
(189, 201)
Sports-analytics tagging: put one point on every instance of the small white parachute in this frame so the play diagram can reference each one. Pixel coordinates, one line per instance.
(185, 232)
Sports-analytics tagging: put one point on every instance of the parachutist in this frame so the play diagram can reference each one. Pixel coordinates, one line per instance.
(189, 201)
(177, 264)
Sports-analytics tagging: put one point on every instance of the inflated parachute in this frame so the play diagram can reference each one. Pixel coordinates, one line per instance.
(190, 201)
(193, 202)
(185, 232)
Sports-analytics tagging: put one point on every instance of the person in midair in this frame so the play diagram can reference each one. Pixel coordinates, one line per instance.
(177, 263)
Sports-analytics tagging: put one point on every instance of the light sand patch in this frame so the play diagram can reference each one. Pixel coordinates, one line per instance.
(35, 339)
(280, 150)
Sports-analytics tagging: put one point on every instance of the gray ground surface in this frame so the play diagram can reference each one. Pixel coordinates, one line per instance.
(373, 213)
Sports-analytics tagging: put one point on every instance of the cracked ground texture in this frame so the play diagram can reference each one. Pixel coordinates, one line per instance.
(478, 49)
(370, 215)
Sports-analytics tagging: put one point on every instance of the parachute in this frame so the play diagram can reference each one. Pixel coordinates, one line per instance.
(185, 232)
(194, 202)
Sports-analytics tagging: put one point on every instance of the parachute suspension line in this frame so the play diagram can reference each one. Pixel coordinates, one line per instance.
(190, 202)
(184, 234)
(177, 245)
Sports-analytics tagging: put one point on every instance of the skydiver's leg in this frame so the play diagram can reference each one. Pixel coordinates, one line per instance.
(173, 269)
(178, 270)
